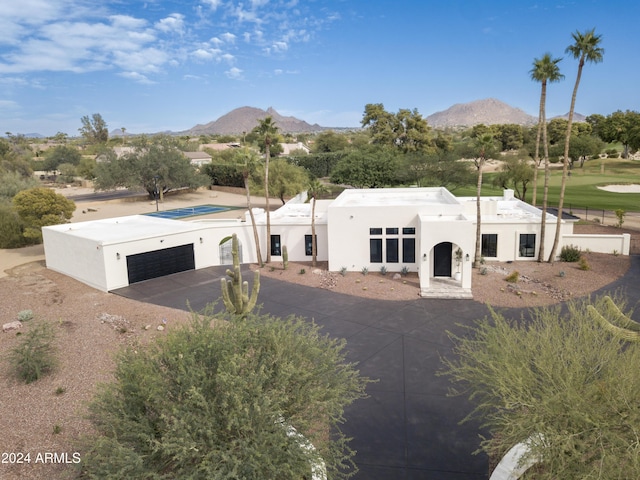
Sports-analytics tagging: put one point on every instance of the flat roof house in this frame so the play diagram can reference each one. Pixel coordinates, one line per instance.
(425, 230)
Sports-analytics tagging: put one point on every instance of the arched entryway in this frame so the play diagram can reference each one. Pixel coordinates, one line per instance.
(442, 259)
(226, 244)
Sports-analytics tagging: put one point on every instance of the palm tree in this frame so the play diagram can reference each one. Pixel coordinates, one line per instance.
(544, 70)
(586, 48)
(248, 162)
(484, 147)
(266, 130)
(314, 189)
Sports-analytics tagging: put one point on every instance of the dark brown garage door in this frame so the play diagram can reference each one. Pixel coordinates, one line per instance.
(158, 263)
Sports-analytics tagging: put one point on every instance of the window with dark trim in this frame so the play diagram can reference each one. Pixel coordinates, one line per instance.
(375, 231)
(489, 245)
(527, 244)
(308, 246)
(392, 250)
(408, 250)
(276, 247)
(409, 231)
(392, 231)
(375, 250)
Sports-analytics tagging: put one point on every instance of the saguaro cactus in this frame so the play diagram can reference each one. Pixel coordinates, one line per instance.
(285, 257)
(235, 292)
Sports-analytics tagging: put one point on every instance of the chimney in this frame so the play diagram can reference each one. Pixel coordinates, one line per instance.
(508, 194)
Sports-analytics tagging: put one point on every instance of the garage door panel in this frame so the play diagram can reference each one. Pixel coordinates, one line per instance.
(158, 263)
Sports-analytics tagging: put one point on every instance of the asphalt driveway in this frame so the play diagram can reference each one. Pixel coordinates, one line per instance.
(408, 428)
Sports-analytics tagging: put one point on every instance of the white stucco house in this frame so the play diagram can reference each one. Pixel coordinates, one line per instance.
(425, 230)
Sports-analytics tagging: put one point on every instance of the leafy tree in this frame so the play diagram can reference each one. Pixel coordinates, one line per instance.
(557, 130)
(623, 127)
(372, 167)
(436, 170)
(314, 190)
(223, 402)
(586, 49)
(545, 70)
(330, 141)
(509, 135)
(39, 207)
(154, 161)
(68, 172)
(582, 147)
(267, 132)
(94, 130)
(558, 379)
(318, 165)
(86, 167)
(285, 179)
(61, 154)
(407, 130)
(15, 157)
(515, 173)
(224, 168)
(11, 227)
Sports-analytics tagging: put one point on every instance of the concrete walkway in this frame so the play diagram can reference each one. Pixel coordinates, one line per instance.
(408, 427)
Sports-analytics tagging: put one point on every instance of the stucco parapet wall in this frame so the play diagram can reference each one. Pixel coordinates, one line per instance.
(116, 230)
(427, 217)
(389, 197)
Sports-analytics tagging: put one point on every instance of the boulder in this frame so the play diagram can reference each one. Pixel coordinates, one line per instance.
(11, 326)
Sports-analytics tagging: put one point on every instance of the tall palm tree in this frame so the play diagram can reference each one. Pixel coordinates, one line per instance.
(267, 130)
(484, 147)
(248, 162)
(586, 48)
(544, 70)
(314, 189)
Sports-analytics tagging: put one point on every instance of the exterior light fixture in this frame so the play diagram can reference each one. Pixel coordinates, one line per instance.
(118, 256)
(467, 257)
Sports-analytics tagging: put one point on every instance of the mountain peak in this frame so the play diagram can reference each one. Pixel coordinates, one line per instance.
(245, 119)
(488, 111)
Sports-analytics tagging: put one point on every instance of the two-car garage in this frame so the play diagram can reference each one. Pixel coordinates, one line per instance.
(158, 263)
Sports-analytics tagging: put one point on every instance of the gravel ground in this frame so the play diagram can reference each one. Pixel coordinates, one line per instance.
(91, 326)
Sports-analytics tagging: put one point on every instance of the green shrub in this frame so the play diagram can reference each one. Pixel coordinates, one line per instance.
(383, 270)
(364, 270)
(513, 277)
(219, 401)
(620, 214)
(34, 356)
(343, 271)
(570, 253)
(25, 315)
(302, 271)
(11, 228)
(405, 271)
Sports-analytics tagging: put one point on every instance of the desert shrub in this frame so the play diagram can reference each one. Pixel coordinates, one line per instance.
(34, 356)
(570, 253)
(620, 214)
(405, 271)
(343, 271)
(513, 277)
(302, 271)
(383, 270)
(583, 264)
(11, 227)
(364, 270)
(483, 271)
(25, 315)
(219, 401)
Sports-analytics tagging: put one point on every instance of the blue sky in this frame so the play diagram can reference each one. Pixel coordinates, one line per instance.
(156, 65)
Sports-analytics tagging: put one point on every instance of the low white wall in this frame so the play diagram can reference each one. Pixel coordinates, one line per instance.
(600, 243)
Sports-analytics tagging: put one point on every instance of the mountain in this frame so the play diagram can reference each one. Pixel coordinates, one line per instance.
(488, 111)
(577, 117)
(245, 119)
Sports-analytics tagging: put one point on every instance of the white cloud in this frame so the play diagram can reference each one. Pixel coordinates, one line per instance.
(228, 37)
(234, 73)
(6, 105)
(212, 4)
(207, 54)
(137, 77)
(278, 71)
(172, 23)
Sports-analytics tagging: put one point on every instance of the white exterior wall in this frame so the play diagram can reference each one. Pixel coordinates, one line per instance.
(348, 235)
(600, 243)
(76, 257)
(293, 237)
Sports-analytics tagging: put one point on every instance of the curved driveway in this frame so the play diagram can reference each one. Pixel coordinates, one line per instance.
(408, 427)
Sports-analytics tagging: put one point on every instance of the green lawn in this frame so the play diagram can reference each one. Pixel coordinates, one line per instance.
(582, 186)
